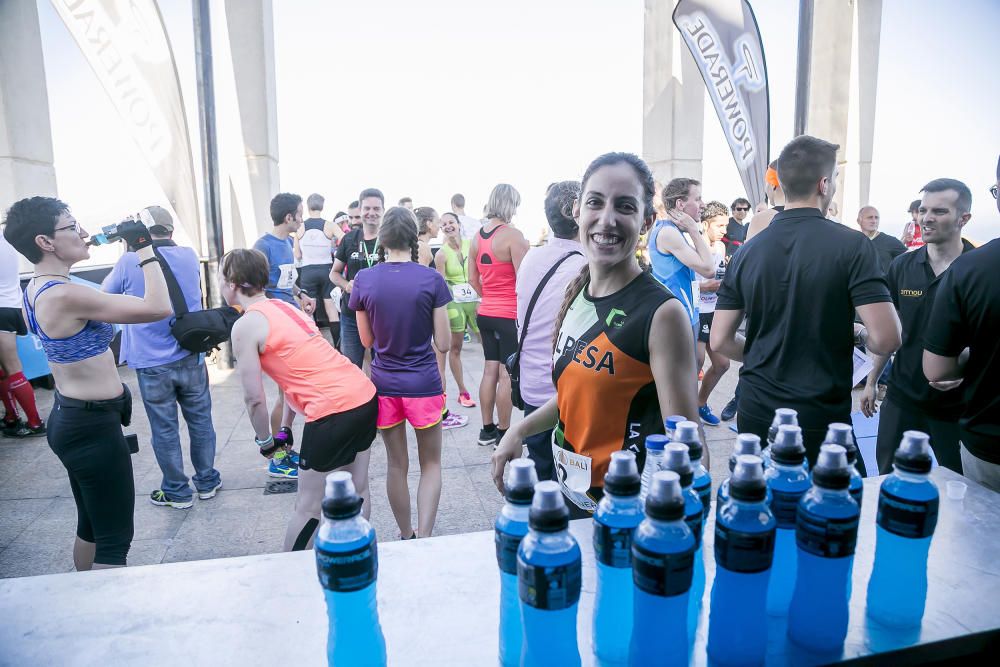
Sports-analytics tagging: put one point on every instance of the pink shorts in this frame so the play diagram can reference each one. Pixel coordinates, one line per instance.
(422, 412)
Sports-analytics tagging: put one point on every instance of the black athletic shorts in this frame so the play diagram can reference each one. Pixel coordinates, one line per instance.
(499, 337)
(314, 279)
(12, 320)
(705, 326)
(333, 441)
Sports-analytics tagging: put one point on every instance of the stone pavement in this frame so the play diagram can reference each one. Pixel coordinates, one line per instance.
(38, 516)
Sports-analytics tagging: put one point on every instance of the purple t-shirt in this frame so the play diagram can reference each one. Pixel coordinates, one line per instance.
(399, 299)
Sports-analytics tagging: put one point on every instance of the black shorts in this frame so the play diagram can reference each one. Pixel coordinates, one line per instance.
(12, 321)
(333, 441)
(314, 279)
(499, 337)
(705, 326)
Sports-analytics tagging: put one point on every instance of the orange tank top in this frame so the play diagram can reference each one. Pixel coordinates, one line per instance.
(317, 380)
(498, 278)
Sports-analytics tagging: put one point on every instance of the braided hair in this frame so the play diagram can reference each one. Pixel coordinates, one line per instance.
(645, 176)
(398, 232)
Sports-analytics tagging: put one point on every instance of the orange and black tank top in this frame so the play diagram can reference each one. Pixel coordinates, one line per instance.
(605, 390)
(499, 279)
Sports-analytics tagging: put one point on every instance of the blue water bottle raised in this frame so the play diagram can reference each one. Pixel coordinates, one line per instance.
(843, 435)
(826, 535)
(347, 564)
(782, 416)
(907, 515)
(744, 549)
(678, 461)
(787, 481)
(663, 559)
(687, 432)
(617, 516)
(746, 443)
(510, 528)
(549, 579)
(653, 462)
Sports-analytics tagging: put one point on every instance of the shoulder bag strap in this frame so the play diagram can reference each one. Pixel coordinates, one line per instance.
(173, 288)
(534, 298)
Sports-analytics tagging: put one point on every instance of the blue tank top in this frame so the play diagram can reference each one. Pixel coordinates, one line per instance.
(93, 339)
(672, 273)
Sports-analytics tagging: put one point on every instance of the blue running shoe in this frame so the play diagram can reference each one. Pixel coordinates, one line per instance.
(707, 417)
(283, 466)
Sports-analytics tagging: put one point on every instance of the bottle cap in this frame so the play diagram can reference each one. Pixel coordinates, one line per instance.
(341, 500)
(672, 421)
(656, 441)
(665, 500)
(548, 509)
(831, 470)
(843, 435)
(788, 448)
(687, 432)
(521, 480)
(746, 443)
(785, 416)
(677, 459)
(747, 481)
(622, 478)
(914, 453)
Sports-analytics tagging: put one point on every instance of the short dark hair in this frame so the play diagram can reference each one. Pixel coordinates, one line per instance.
(802, 163)
(247, 269)
(315, 202)
(371, 192)
(354, 204)
(458, 200)
(964, 201)
(741, 200)
(284, 204)
(404, 200)
(914, 206)
(29, 218)
(678, 188)
(559, 208)
(714, 209)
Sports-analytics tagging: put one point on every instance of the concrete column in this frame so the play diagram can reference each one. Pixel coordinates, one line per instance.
(251, 36)
(673, 98)
(869, 39)
(25, 133)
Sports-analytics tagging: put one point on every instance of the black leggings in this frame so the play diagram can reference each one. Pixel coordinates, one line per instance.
(89, 442)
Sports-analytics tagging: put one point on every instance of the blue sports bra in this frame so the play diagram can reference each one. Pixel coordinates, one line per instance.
(93, 339)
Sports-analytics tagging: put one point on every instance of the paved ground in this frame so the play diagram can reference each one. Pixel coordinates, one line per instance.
(38, 518)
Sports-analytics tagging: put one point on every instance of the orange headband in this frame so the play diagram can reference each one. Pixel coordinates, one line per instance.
(771, 177)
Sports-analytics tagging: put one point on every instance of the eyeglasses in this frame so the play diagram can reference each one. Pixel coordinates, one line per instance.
(75, 227)
(993, 191)
(742, 208)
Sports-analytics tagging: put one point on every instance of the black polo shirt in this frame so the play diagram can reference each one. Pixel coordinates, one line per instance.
(736, 233)
(966, 313)
(888, 249)
(912, 285)
(356, 253)
(799, 282)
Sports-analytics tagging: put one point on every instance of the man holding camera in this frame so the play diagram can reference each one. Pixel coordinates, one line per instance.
(169, 375)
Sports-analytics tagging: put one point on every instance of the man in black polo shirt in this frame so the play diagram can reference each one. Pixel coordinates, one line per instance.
(912, 403)
(887, 247)
(736, 230)
(966, 316)
(799, 282)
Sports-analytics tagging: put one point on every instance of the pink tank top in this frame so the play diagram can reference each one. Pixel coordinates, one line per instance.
(317, 380)
(498, 278)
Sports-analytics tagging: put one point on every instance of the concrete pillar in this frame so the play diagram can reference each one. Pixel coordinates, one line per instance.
(673, 98)
(25, 133)
(869, 39)
(251, 37)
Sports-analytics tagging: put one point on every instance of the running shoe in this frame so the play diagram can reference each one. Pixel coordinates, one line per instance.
(707, 417)
(454, 421)
(729, 411)
(282, 465)
(294, 455)
(488, 436)
(208, 495)
(25, 431)
(10, 428)
(467, 338)
(158, 497)
(465, 400)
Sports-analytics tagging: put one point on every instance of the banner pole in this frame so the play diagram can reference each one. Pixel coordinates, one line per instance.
(802, 66)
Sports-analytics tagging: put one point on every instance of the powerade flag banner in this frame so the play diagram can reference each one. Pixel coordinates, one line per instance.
(722, 36)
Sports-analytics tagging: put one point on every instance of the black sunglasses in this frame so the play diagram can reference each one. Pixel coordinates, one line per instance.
(741, 208)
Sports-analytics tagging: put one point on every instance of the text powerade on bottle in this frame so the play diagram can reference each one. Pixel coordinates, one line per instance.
(510, 528)
(347, 564)
(549, 579)
(615, 521)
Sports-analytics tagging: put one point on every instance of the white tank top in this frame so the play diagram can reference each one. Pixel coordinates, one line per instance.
(316, 247)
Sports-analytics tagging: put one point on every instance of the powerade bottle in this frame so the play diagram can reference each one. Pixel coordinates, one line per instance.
(678, 461)
(843, 435)
(744, 548)
(826, 534)
(788, 481)
(670, 425)
(511, 526)
(549, 578)
(347, 563)
(746, 443)
(781, 416)
(654, 461)
(907, 514)
(617, 516)
(687, 432)
(662, 560)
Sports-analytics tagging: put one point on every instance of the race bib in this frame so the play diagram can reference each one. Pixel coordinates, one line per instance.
(573, 473)
(287, 277)
(463, 293)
